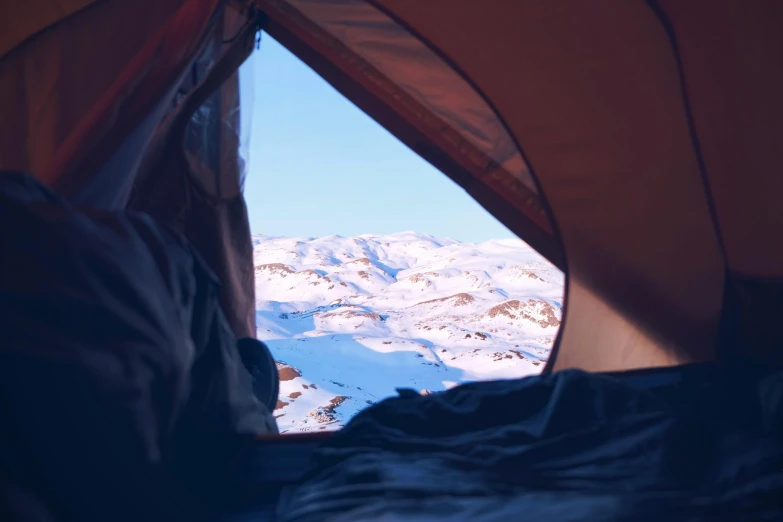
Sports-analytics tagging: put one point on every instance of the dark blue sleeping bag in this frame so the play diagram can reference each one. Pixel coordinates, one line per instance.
(122, 393)
(691, 443)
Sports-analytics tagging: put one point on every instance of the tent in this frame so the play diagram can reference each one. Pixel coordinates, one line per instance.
(635, 144)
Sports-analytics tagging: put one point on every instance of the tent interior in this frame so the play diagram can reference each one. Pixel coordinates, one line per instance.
(636, 144)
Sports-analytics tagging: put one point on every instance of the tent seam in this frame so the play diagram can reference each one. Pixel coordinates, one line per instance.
(668, 28)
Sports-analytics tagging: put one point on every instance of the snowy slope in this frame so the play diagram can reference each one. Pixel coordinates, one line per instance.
(351, 319)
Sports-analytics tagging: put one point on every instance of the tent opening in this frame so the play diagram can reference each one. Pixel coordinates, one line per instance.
(373, 270)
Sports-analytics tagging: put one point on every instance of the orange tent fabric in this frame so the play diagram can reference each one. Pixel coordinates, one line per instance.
(636, 144)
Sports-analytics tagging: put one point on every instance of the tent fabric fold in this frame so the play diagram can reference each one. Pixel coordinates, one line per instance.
(34, 16)
(72, 93)
(191, 177)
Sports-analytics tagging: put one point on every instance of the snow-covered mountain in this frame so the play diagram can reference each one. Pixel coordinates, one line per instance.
(349, 320)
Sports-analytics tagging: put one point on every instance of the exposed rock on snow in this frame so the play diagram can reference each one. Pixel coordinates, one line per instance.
(534, 310)
(326, 414)
(287, 373)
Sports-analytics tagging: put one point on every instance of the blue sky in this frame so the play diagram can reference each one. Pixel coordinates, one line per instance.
(319, 166)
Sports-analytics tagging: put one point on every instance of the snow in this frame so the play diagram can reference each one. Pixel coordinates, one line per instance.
(349, 320)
